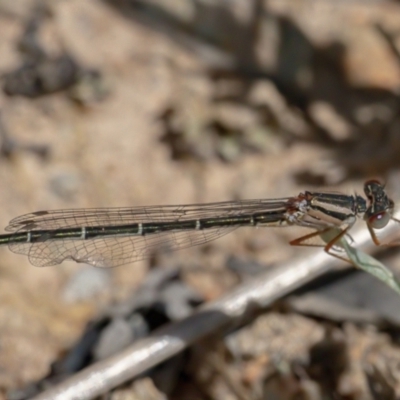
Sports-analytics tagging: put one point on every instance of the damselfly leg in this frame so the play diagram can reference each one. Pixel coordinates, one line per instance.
(330, 238)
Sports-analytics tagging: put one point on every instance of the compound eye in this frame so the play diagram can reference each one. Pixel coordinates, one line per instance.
(379, 221)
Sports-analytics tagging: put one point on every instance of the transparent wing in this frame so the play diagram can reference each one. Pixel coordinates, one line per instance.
(76, 218)
(111, 251)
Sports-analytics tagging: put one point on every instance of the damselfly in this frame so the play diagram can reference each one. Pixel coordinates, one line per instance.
(107, 237)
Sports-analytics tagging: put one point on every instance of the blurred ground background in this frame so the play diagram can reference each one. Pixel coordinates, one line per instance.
(140, 102)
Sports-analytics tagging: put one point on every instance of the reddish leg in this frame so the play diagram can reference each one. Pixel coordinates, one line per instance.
(377, 241)
(373, 236)
(328, 246)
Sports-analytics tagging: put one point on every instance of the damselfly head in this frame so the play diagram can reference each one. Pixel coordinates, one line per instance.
(380, 208)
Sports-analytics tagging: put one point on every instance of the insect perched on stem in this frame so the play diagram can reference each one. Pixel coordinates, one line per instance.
(107, 237)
